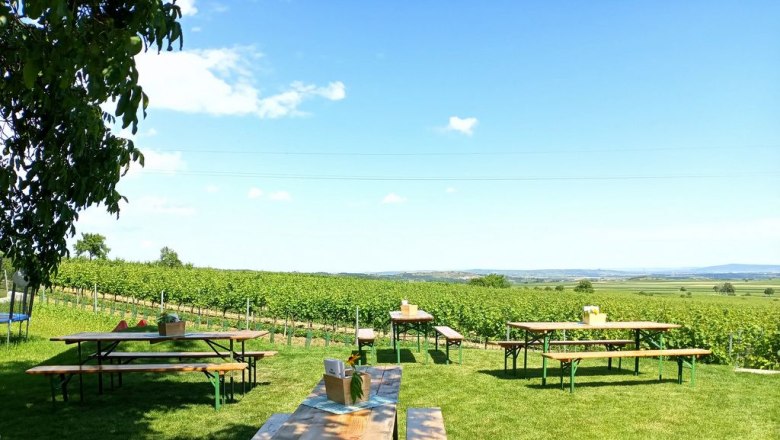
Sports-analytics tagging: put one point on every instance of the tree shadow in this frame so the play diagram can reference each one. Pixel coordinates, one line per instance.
(557, 383)
(122, 412)
(554, 373)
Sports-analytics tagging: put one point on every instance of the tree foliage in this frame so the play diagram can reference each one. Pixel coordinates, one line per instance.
(92, 244)
(727, 288)
(584, 286)
(769, 291)
(492, 280)
(59, 61)
(169, 258)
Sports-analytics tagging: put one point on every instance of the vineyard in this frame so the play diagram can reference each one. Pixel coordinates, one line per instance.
(480, 312)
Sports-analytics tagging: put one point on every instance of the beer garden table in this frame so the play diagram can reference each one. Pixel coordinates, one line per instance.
(113, 339)
(650, 332)
(402, 323)
(379, 422)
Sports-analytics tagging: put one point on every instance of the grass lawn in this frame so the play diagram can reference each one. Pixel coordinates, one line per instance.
(476, 400)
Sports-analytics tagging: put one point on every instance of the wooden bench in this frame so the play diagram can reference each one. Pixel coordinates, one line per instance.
(214, 372)
(570, 361)
(270, 426)
(250, 357)
(425, 424)
(512, 348)
(365, 338)
(451, 338)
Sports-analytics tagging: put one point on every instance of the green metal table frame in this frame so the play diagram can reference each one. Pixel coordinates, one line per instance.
(571, 368)
(654, 339)
(399, 327)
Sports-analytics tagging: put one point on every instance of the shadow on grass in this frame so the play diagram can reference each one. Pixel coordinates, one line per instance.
(554, 373)
(440, 356)
(556, 383)
(388, 356)
(122, 412)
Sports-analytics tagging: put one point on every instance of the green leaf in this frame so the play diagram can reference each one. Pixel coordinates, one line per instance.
(30, 72)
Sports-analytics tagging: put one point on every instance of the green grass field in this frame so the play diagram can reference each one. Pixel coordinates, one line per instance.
(477, 401)
(753, 289)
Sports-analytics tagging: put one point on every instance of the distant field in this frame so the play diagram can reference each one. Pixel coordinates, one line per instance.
(697, 287)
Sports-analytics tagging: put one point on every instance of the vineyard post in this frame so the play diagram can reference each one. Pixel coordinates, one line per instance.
(162, 301)
(357, 323)
(94, 300)
(247, 313)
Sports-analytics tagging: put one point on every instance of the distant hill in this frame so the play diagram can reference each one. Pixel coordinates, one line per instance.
(537, 275)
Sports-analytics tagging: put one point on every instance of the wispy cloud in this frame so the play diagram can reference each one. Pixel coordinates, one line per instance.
(254, 193)
(450, 190)
(280, 196)
(393, 198)
(221, 82)
(160, 205)
(462, 125)
(187, 7)
(159, 162)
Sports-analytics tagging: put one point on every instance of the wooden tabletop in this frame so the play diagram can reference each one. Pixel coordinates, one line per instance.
(374, 423)
(616, 325)
(421, 316)
(241, 335)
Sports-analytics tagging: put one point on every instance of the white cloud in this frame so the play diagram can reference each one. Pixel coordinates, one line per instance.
(187, 7)
(160, 205)
(212, 189)
(196, 29)
(462, 125)
(221, 82)
(450, 190)
(281, 196)
(393, 198)
(159, 162)
(254, 193)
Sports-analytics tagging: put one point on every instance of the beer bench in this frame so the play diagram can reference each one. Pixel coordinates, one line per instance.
(365, 338)
(452, 338)
(512, 348)
(214, 372)
(425, 424)
(570, 361)
(250, 357)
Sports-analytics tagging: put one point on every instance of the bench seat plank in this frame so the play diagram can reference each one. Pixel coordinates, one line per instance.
(135, 368)
(567, 357)
(425, 424)
(448, 333)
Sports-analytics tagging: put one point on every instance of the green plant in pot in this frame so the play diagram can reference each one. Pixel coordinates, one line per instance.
(169, 324)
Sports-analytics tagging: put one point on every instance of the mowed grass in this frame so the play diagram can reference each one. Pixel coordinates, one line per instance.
(477, 400)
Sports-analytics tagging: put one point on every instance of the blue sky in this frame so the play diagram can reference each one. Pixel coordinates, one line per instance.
(355, 136)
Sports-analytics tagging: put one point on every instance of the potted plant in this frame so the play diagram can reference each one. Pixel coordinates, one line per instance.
(355, 387)
(169, 324)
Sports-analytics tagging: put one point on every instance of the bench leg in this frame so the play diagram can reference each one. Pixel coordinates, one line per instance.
(572, 372)
(447, 350)
(679, 370)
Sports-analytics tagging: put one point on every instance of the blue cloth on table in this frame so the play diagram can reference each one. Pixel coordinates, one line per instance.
(322, 402)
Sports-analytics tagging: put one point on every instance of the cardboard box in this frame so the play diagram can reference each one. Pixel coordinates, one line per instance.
(594, 318)
(337, 388)
(171, 328)
(409, 309)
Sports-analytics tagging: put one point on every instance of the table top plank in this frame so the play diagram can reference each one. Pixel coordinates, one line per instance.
(612, 325)
(421, 316)
(374, 423)
(135, 368)
(240, 335)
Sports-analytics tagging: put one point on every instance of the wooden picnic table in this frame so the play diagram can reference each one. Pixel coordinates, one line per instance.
(403, 323)
(113, 339)
(648, 331)
(378, 423)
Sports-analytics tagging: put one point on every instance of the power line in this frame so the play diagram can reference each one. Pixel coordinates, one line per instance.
(459, 153)
(730, 175)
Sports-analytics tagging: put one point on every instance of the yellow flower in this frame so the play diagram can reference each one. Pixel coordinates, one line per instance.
(353, 359)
